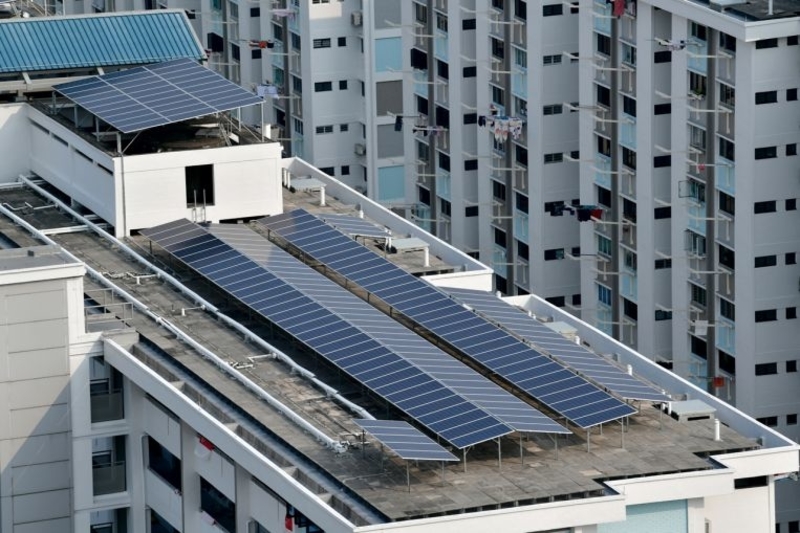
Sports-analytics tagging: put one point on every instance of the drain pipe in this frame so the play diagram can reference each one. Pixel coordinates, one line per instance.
(172, 328)
(202, 302)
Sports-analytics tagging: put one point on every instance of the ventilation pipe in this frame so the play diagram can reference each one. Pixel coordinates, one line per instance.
(717, 424)
(769, 8)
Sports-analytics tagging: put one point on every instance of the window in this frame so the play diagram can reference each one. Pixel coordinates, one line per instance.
(791, 366)
(552, 10)
(662, 109)
(470, 72)
(697, 31)
(419, 59)
(330, 171)
(770, 421)
(442, 70)
(468, 24)
(727, 362)
(767, 152)
(554, 254)
(444, 161)
(727, 203)
(791, 40)
(662, 56)
(766, 261)
(576, 299)
(695, 243)
(727, 95)
(768, 206)
(163, 463)
(603, 196)
(255, 12)
(794, 526)
(323, 86)
(470, 164)
(555, 109)
(471, 211)
(521, 155)
(498, 48)
(766, 43)
(697, 84)
(766, 97)
(603, 95)
(324, 129)
(603, 146)
(791, 313)
(322, 43)
(791, 258)
(498, 95)
(630, 309)
(727, 309)
(766, 369)
(698, 294)
(791, 95)
(296, 42)
(791, 420)
(521, 202)
(499, 190)
(727, 42)
(629, 158)
(660, 213)
(661, 264)
(553, 158)
(297, 84)
(424, 195)
(663, 315)
(199, 185)
(550, 206)
(441, 22)
(342, 85)
(445, 207)
(766, 315)
(341, 41)
(661, 161)
(522, 250)
(603, 44)
(629, 209)
(498, 4)
(727, 149)
(574, 8)
(344, 128)
(345, 170)
(628, 54)
(629, 258)
(603, 245)
(422, 105)
(727, 257)
(604, 294)
(217, 505)
(521, 9)
(236, 52)
(420, 13)
(558, 301)
(791, 149)
(629, 106)
(552, 60)
(698, 346)
(255, 54)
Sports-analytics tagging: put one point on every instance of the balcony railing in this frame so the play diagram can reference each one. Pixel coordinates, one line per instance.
(107, 406)
(109, 478)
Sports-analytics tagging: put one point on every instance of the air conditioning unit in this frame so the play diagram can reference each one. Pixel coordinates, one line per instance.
(360, 149)
(356, 18)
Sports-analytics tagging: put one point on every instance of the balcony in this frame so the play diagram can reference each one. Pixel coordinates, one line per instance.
(440, 45)
(277, 55)
(602, 18)
(697, 52)
(627, 131)
(602, 171)
(519, 82)
(628, 285)
(420, 83)
(443, 184)
(696, 212)
(726, 335)
(499, 260)
(726, 176)
(109, 478)
(521, 226)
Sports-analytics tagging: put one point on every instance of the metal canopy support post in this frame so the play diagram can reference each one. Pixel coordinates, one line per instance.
(588, 440)
(465, 459)
(622, 433)
(443, 473)
(499, 455)
(408, 476)
(521, 455)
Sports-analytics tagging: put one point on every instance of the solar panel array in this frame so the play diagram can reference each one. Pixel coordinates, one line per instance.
(588, 363)
(355, 227)
(386, 373)
(553, 385)
(154, 95)
(405, 440)
(454, 374)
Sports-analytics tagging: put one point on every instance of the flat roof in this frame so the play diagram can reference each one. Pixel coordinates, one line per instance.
(33, 257)
(100, 40)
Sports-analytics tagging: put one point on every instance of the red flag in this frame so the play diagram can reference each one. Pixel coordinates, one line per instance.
(619, 8)
(288, 522)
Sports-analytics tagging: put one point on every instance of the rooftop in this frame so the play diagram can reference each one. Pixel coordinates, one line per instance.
(365, 482)
(33, 257)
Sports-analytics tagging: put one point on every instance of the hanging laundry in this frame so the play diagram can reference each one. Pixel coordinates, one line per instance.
(261, 90)
(619, 8)
(674, 46)
(481, 121)
(283, 12)
(515, 127)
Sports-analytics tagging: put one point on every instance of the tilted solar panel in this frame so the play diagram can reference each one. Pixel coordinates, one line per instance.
(155, 95)
(454, 374)
(588, 363)
(549, 383)
(405, 440)
(404, 385)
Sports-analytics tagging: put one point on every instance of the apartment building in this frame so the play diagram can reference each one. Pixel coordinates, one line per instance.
(689, 113)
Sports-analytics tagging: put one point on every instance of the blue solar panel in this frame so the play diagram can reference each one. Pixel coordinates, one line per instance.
(589, 364)
(424, 398)
(457, 376)
(355, 227)
(154, 95)
(545, 380)
(405, 440)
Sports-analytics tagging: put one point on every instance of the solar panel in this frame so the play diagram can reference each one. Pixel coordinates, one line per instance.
(452, 373)
(588, 363)
(154, 95)
(548, 382)
(355, 227)
(401, 383)
(405, 440)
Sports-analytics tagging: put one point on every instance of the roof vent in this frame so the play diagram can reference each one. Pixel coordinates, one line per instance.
(691, 410)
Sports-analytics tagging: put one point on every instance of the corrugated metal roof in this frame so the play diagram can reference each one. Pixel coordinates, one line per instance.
(57, 43)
